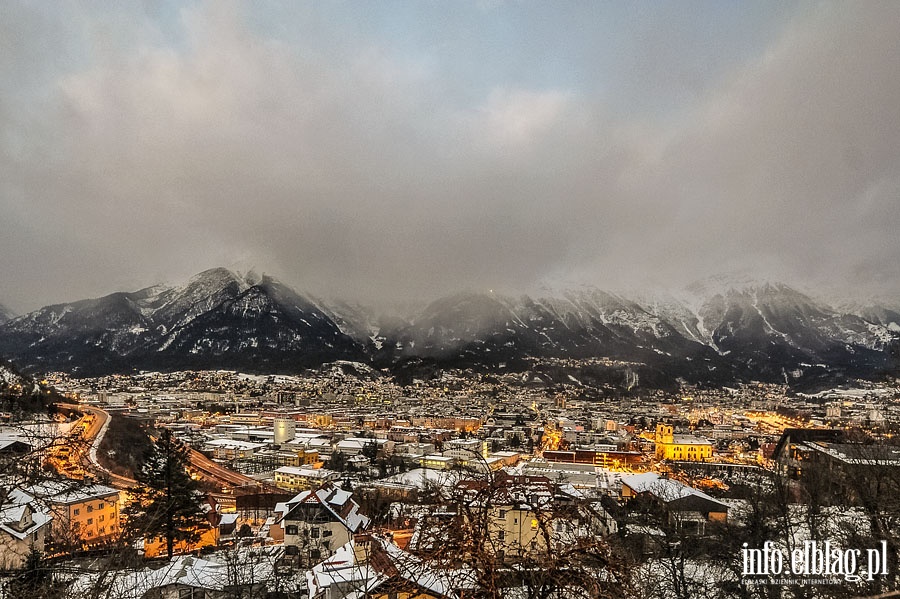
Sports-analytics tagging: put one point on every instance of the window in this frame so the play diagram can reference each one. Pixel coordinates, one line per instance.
(314, 533)
(76, 511)
(315, 553)
(101, 518)
(326, 533)
(503, 513)
(90, 508)
(291, 529)
(90, 520)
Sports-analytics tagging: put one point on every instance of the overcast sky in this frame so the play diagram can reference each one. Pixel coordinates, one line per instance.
(396, 150)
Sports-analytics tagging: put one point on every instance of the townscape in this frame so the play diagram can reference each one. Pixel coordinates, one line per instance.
(341, 482)
(482, 299)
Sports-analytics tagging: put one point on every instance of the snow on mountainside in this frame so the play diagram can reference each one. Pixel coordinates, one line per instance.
(5, 314)
(8, 377)
(717, 328)
(749, 328)
(218, 318)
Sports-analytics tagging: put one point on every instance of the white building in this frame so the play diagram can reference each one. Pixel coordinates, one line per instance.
(23, 526)
(316, 523)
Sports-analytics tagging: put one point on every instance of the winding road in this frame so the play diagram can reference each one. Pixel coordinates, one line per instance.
(96, 427)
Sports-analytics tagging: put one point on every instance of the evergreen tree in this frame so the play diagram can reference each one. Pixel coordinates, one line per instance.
(166, 501)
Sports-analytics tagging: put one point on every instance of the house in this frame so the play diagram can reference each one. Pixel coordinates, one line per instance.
(374, 567)
(437, 462)
(24, 527)
(315, 523)
(685, 507)
(792, 448)
(522, 515)
(243, 573)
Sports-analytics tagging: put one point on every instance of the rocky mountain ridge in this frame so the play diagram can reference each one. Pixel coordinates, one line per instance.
(714, 331)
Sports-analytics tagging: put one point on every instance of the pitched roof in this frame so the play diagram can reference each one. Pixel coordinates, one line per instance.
(666, 489)
(17, 505)
(335, 500)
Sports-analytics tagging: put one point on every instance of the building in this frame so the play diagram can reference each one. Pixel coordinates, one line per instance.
(285, 430)
(524, 515)
(232, 449)
(315, 523)
(839, 472)
(24, 526)
(82, 515)
(793, 447)
(437, 462)
(686, 508)
(250, 573)
(688, 448)
(377, 568)
(208, 533)
(293, 478)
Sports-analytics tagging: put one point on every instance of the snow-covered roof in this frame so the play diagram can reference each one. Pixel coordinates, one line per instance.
(68, 493)
(356, 579)
(341, 569)
(234, 444)
(335, 500)
(18, 503)
(689, 440)
(252, 565)
(419, 477)
(664, 489)
(308, 472)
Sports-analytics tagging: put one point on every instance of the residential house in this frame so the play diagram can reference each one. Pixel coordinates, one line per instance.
(24, 526)
(685, 507)
(316, 522)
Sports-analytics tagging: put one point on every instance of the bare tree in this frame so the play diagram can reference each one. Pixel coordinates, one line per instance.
(526, 533)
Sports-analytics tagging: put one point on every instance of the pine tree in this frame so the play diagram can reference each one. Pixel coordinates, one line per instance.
(166, 501)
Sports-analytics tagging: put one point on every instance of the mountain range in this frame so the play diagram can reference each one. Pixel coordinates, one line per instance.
(718, 331)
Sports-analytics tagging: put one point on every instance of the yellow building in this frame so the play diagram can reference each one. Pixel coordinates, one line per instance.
(689, 448)
(88, 515)
(302, 479)
(308, 457)
(156, 546)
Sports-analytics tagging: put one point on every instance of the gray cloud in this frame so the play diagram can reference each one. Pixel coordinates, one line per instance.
(349, 168)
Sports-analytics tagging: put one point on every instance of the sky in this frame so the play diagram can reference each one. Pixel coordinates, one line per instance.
(393, 151)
